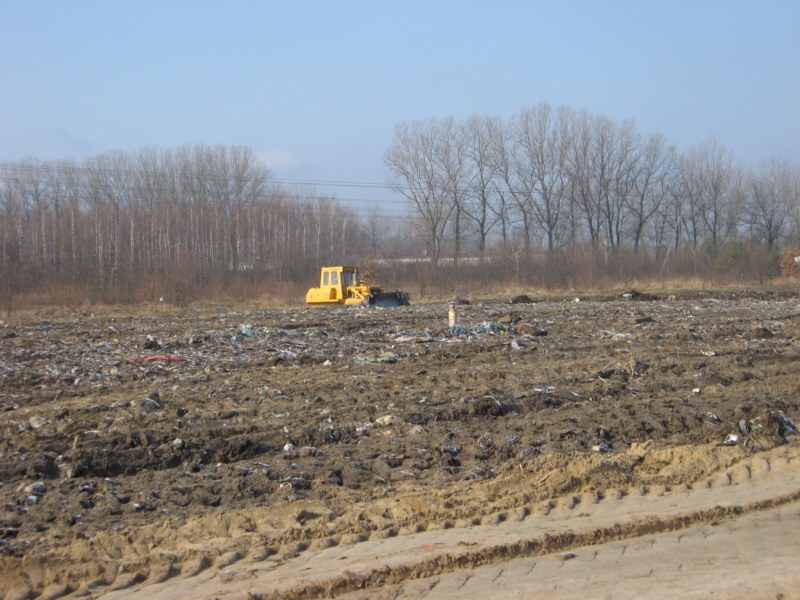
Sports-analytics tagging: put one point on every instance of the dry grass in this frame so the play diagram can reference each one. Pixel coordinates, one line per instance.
(55, 300)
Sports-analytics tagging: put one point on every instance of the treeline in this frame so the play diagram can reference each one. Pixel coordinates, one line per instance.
(550, 198)
(182, 224)
(559, 187)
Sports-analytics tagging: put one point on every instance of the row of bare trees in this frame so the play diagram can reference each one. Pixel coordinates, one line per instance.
(549, 197)
(553, 179)
(186, 217)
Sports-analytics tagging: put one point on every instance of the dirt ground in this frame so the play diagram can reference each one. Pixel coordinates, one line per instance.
(623, 445)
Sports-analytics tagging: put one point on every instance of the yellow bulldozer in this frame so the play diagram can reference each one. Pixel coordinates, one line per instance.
(341, 285)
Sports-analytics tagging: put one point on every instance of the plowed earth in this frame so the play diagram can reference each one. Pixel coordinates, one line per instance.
(376, 453)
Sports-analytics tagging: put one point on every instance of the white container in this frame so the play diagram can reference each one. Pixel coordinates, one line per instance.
(452, 317)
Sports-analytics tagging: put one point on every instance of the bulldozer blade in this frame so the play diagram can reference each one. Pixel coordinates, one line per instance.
(389, 299)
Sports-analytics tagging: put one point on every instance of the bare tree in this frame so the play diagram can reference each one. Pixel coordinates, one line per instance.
(517, 180)
(481, 175)
(415, 169)
(108, 186)
(545, 143)
(240, 180)
(773, 193)
(585, 167)
(711, 209)
(623, 169)
(652, 184)
(377, 229)
(450, 160)
(12, 236)
(503, 185)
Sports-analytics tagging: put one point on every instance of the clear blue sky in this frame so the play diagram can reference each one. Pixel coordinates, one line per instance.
(316, 87)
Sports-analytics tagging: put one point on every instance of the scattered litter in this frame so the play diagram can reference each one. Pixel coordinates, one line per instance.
(460, 403)
(37, 422)
(785, 425)
(762, 333)
(151, 402)
(451, 450)
(385, 357)
(39, 488)
(615, 335)
(158, 358)
(458, 330)
(408, 339)
(502, 325)
(567, 556)
(153, 343)
(247, 331)
(547, 390)
(284, 355)
(388, 357)
(530, 329)
(529, 453)
(640, 296)
(709, 417)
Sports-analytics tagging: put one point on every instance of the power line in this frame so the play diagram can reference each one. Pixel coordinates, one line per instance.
(333, 183)
(61, 167)
(64, 168)
(274, 195)
(398, 188)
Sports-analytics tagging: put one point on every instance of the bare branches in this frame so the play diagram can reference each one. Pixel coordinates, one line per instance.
(175, 219)
(551, 180)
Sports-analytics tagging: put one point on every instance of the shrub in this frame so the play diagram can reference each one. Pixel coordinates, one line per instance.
(789, 263)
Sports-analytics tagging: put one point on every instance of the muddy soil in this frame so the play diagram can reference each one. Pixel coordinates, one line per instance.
(136, 450)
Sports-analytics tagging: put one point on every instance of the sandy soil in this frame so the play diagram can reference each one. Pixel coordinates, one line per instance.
(611, 446)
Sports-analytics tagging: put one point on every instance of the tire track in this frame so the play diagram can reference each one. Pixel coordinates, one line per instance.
(765, 482)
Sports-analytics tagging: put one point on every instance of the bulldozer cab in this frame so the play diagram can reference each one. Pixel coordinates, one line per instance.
(336, 285)
(336, 280)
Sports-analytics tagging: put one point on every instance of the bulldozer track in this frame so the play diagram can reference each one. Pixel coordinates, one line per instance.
(416, 563)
